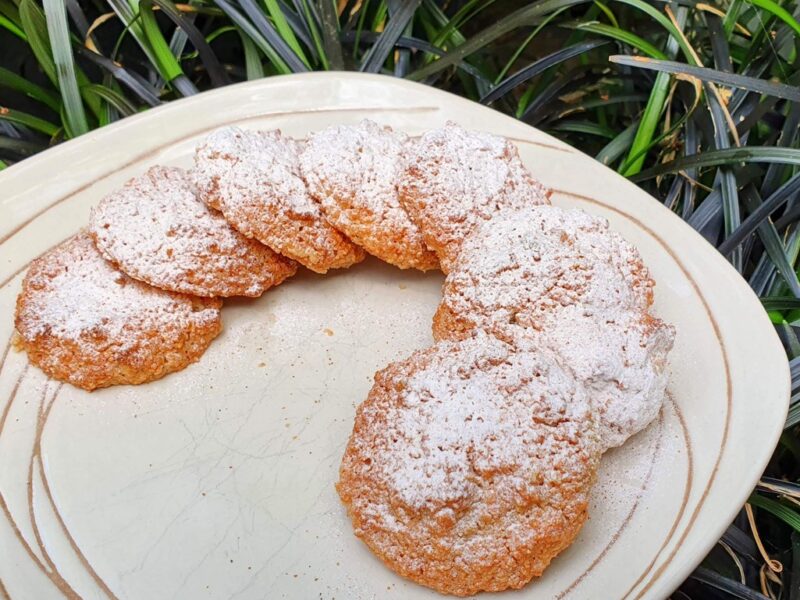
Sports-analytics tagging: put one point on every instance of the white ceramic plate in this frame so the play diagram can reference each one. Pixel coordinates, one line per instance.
(217, 482)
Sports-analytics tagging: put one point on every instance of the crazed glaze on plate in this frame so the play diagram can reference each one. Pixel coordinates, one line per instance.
(217, 482)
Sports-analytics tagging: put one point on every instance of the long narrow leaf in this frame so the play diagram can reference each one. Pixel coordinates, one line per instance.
(730, 587)
(772, 242)
(254, 34)
(20, 148)
(725, 180)
(117, 100)
(785, 514)
(168, 64)
(713, 158)
(129, 79)
(307, 19)
(330, 35)
(415, 44)
(287, 56)
(9, 25)
(213, 67)
(651, 116)
(56, 14)
(778, 11)
(787, 191)
(35, 26)
(19, 84)
(373, 60)
(623, 36)
(284, 30)
(518, 18)
(538, 67)
(752, 84)
(789, 133)
(15, 116)
(252, 59)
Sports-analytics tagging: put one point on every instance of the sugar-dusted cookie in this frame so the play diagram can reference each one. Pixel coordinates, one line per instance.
(470, 464)
(156, 230)
(454, 179)
(352, 170)
(83, 321)
(565, 275)
(253, 178)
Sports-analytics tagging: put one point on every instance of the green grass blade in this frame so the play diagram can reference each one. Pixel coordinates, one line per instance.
(732, 16)
(287, 56)
(676, 38)
(729, 587)
(35, 26)
(616, 147)
(651, 116)
(330, 34)
(780, 12)
(252, 59)
(782, 303)
(730, 156)
(450, 31)
(607, 12)
(8, 25)
(254, 34)
(167, 63)
(784, 513)
(752, 84)
(12, 81)
(376, 56)
(648, 123)
(587, 127)
(23, 118)
(621, 35)
(21, 148)
(283, 29)
(130, 19)
(130, 79)
(539, 67)
(515, 56)
(771, 240)
(56, 15)
(725, 179)
(518, 18)
(761, 211)
(184, 25)
(316, 37)
(113, 97)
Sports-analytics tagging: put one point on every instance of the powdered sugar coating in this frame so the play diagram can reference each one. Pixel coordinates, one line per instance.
(352, 171)
(157, 231)
(470, 464)
(254, 179)
(521, 266)
(564, 274)
(83, 321)
(622, 363)
(454, 179)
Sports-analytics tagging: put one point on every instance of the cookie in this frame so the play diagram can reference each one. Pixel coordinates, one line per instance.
(352, 170)
(470, 464)
(564, 274)
(254, 179)
(622, 364)
(454, 179)
(156, 230)
(83, 321)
